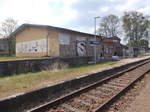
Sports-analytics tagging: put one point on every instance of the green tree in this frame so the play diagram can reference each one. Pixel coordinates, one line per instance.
(136, 28)
(109, 26)
(8, 26)
(144, 44)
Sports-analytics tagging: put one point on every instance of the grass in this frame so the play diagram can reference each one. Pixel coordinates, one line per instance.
(145, 54)
(14, 84)
(7, 58)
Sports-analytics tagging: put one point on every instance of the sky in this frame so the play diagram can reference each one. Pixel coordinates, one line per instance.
(72, 14)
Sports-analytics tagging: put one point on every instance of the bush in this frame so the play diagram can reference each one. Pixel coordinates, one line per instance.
(55, 66)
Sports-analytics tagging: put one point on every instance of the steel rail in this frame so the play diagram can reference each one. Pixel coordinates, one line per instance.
(75, 93)
(120, 93)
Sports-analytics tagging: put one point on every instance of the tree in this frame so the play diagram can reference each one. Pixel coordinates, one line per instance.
(136, 27)
(109, 26)
(144, 44)
(8, 26)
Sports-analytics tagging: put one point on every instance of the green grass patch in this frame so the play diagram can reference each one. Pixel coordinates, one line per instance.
(8, 58)
(145, 54)
(13, 84)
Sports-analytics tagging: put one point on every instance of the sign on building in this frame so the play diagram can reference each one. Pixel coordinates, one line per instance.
(94, 43)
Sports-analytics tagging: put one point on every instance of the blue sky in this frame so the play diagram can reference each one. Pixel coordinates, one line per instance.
(72, 14)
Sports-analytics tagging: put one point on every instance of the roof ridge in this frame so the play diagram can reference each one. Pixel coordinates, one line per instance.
(46, 26)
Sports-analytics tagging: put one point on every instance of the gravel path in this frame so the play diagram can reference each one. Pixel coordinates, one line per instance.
(137, 99)
(121, 62)
(142, 101)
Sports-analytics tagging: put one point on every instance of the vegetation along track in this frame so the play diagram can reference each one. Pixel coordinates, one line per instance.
(96, 97)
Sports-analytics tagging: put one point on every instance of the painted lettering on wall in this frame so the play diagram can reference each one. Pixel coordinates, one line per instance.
(32, 46)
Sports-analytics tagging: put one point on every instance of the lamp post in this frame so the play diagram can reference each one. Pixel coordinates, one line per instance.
(95, 38)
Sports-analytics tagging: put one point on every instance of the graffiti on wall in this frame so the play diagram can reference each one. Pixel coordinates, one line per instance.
(81, 46)
(81, 49)
(32, 46)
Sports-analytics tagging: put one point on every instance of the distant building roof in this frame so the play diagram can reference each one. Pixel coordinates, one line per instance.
(111, 39)
(124, 46)
(115, 37)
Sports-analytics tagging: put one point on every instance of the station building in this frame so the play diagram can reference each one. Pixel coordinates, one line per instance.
(111, 46)
(43, 40)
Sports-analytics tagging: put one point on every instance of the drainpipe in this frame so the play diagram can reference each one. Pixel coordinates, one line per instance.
(47, 43)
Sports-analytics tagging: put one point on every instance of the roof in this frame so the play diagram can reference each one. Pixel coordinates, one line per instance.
(115, 37)
(23, 26)
(124, 46)
(110, 39)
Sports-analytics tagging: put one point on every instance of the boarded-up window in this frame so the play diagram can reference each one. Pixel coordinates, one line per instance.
(64, 39)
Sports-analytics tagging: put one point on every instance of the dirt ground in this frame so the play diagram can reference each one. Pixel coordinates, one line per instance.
(142, 101)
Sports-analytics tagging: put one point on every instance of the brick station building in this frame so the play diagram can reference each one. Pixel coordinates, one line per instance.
(111, 46)
(43, 40)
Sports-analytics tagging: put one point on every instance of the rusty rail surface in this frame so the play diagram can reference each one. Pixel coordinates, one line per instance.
(97, 96)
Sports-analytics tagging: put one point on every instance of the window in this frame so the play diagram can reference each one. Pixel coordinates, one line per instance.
(64, 39)
(110, 51)
(81, 38)
(110, 47)
(115, 40)
(106, 50)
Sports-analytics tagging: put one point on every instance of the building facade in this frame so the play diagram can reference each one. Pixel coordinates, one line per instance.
(112, 47)
(42, 40)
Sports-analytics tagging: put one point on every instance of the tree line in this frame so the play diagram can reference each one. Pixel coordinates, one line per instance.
(133, 26)
(7, 27)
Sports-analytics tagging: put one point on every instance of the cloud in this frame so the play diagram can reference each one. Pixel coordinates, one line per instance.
(86, 10)
(105, 9)
(52, 12)
(74, 14)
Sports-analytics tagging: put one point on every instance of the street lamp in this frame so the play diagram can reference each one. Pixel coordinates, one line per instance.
(95, 38)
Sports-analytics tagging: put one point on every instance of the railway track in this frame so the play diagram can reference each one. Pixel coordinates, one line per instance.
(98, 96)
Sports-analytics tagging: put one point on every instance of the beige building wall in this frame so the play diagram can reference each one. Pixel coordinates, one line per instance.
(54, 48)
(71, 49)
(34, 33)
(53, 42)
